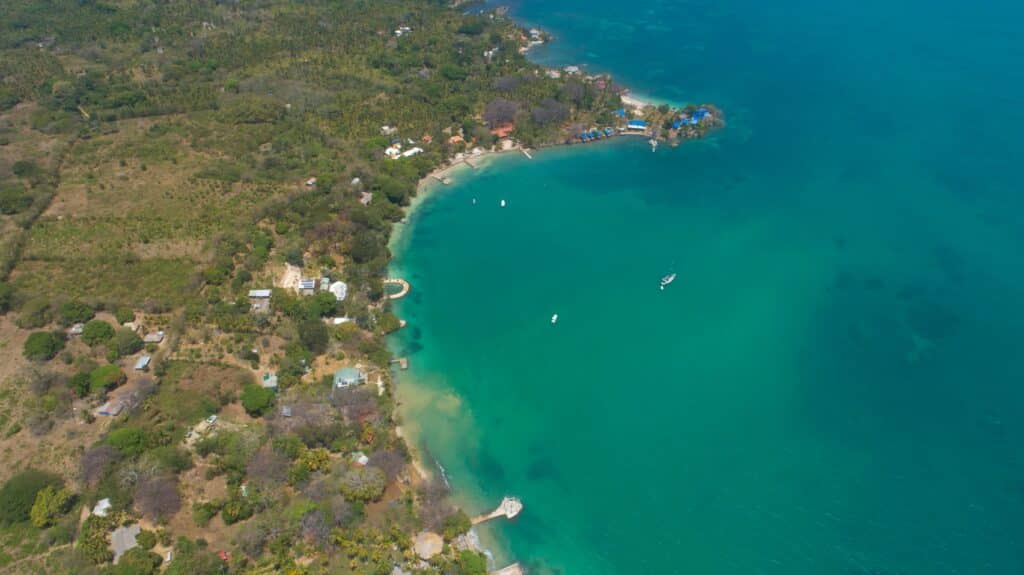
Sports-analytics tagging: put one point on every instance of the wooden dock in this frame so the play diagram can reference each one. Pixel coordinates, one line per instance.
(509, 507)
(403, 362)
(526, 153)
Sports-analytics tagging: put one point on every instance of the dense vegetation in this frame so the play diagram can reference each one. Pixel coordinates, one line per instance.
(158, 161)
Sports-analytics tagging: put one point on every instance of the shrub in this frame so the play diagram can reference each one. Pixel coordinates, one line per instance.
(35, 313)
(18, 495)
(137, 561)
(456, 524)
(236, 509)
(96, 332)
(80, 383)
(203, 512)
(146, 539)
(363, 484)
(105, 378)
(50, 504)
(6, 294)
(126, 342)
(157, 498)
(257, 400)
(124, 315)
(42, 346)
(14, 200)
(75, 312)
(472, 563)
(92, 541)
(129, 440)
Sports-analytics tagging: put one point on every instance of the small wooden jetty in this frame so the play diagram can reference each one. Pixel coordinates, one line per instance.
(526, 153)
(399, 282)
(403, 362)
(513, 569)
(509, 507)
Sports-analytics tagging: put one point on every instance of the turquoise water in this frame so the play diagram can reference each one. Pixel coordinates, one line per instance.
(833, 384)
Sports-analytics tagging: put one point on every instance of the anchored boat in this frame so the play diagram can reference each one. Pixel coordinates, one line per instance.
(667, 280)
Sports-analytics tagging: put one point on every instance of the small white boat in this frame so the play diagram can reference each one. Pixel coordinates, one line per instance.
(667, 280)
(554, 318)
(474, 201)
(503, 203)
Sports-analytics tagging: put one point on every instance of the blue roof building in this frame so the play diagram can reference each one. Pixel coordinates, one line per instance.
(621, 112)
(636, 125)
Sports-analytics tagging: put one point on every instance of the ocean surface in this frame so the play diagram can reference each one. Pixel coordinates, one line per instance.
(834, 384)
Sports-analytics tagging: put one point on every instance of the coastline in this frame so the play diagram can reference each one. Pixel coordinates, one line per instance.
(444, 175)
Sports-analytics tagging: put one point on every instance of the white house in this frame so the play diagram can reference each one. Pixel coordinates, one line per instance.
(339, 289)
(412, 152)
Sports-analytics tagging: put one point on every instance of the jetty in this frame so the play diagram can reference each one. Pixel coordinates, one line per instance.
(403, 362)
(526, 153)
(509, 507)
(513, 569)
(399, 282)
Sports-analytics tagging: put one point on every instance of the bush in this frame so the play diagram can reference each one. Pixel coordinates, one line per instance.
(129, 440)
(363, 484)
(92, 541)
(50, 504)
(456, 524)
(42, 346)
(126, 342)
(236, 509)
(35, 313)
(80, 383)
(157, 498)
(146, 539)
(472, 563)
(14, 200)
(105, 378)
(75, 312)
(137, 561)
(203, 512)
(6, 295)
(256, 400)
(124, 315)
(96, 332)
(18, 495)
(314, 335)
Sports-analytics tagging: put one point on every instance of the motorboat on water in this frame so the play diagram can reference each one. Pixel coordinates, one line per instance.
(503, 203)
(554, 318)
(667, 280)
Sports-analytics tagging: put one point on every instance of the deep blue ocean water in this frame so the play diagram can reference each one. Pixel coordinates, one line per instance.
(833, 384)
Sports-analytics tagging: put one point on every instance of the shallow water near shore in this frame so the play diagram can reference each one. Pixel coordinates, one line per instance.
(831, 385)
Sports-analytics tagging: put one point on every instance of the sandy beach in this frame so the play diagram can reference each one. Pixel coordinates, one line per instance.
(632, 101)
